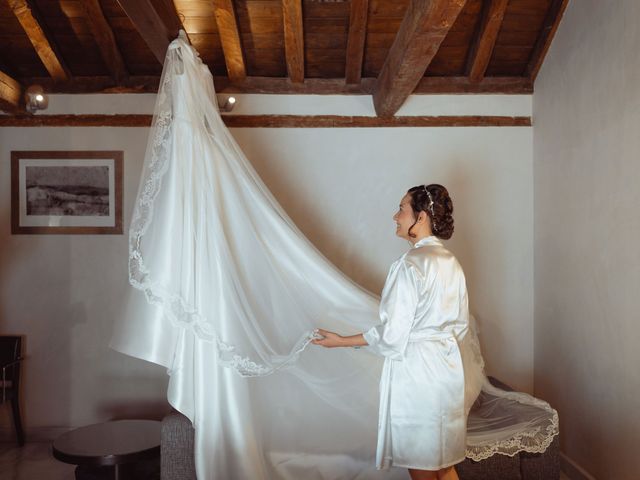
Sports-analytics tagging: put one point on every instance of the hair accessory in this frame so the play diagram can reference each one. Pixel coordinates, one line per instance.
(430, 206)
(430, 198)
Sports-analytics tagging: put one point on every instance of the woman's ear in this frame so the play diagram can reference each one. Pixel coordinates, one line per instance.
(422, 216)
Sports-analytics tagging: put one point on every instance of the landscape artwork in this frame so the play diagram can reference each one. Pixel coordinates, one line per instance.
(67, 192)
(81, 191)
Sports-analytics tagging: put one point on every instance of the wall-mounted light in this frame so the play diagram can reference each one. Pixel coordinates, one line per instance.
(228, 105)
(35, 99)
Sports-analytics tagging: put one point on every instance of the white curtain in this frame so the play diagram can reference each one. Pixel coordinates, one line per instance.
(229, 291)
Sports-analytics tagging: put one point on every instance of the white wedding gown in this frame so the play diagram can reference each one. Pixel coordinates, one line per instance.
(228, 291)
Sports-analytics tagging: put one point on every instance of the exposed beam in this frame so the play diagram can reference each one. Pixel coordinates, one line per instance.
(230, 39)
(424, 27)
(549, 27)
(169, 15)
(101, 84)
(337, 86)
(105, 40)
(271, 121)
(490, 23)
(157, 27)
(281, 85)
(356, 39)
(10, 94)
(462, 85)
(340, 121)
(44, 46)
(293, 39)
(88, 120)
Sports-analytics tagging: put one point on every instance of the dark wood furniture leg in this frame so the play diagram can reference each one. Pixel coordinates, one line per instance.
(17, 422)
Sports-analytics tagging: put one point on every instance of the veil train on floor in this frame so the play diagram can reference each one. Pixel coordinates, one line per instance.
(228, 291)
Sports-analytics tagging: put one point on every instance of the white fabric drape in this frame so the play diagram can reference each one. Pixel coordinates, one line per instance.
(228, 291)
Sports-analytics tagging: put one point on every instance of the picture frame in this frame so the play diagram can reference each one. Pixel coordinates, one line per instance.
(66, 192)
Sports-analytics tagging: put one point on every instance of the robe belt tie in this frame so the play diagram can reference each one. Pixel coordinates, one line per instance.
(436, 335)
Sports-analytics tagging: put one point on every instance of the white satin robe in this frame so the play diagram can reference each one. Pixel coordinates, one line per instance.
(424, 401)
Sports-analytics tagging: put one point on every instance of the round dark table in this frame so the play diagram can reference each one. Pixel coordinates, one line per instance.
(111, 443)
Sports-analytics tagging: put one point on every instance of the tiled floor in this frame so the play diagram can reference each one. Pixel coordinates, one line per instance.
(34, 462)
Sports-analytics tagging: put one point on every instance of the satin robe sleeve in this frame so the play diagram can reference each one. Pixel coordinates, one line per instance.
(397, 312)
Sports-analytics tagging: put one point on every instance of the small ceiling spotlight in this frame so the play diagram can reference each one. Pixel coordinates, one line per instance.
(228, 105)
(35, 99)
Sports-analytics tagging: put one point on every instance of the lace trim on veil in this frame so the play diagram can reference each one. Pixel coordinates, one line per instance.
(173, 305)
(536, 440)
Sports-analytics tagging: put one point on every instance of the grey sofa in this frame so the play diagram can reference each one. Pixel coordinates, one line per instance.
(177, 461)
(176, 448)
(524, 466)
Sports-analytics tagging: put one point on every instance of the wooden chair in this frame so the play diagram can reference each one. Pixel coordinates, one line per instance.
(10, 361)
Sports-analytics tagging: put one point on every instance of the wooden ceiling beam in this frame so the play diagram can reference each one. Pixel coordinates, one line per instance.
(345, 121)
(105, 39)
(271, 121)
(282, 85)
(157, 27)
(10, 94)
(101, 84)
(27, 15)
(423, 28)
(169, 15)
(230, 39)
(482, 49)
(462, 85)
(356, 40)
(293, 39)
(549, 27)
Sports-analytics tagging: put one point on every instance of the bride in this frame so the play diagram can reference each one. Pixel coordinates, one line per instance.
(425, 396)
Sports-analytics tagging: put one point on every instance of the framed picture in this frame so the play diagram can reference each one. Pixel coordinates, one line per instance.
(66, 192)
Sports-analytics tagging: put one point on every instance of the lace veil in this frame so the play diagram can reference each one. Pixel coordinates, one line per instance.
(228, 292)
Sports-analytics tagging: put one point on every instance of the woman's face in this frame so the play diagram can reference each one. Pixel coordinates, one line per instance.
(404, 218)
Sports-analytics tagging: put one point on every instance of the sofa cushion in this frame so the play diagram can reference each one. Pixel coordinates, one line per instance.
(176, 449)
(495, 467)
(542, 466)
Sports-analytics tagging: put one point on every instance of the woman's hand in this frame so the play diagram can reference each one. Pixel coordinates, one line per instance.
(330, 339)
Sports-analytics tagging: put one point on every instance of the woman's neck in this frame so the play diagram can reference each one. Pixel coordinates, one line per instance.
(419, 237)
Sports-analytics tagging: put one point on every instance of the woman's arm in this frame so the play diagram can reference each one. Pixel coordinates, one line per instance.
(332, 340)
(397, 311)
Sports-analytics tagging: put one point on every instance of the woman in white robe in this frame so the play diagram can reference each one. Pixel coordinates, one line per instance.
(425, 391)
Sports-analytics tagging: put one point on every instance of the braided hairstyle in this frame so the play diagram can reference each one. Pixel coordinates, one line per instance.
(433, 199)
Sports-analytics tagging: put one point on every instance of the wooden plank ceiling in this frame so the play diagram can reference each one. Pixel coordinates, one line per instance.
(388, 48)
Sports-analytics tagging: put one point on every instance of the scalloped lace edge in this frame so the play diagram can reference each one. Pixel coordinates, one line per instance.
(533, 441)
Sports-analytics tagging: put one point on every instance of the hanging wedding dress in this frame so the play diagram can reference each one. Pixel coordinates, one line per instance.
(229, 293)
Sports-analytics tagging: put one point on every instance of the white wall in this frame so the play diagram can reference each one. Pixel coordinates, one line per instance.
(341, 186)
(587, 260)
